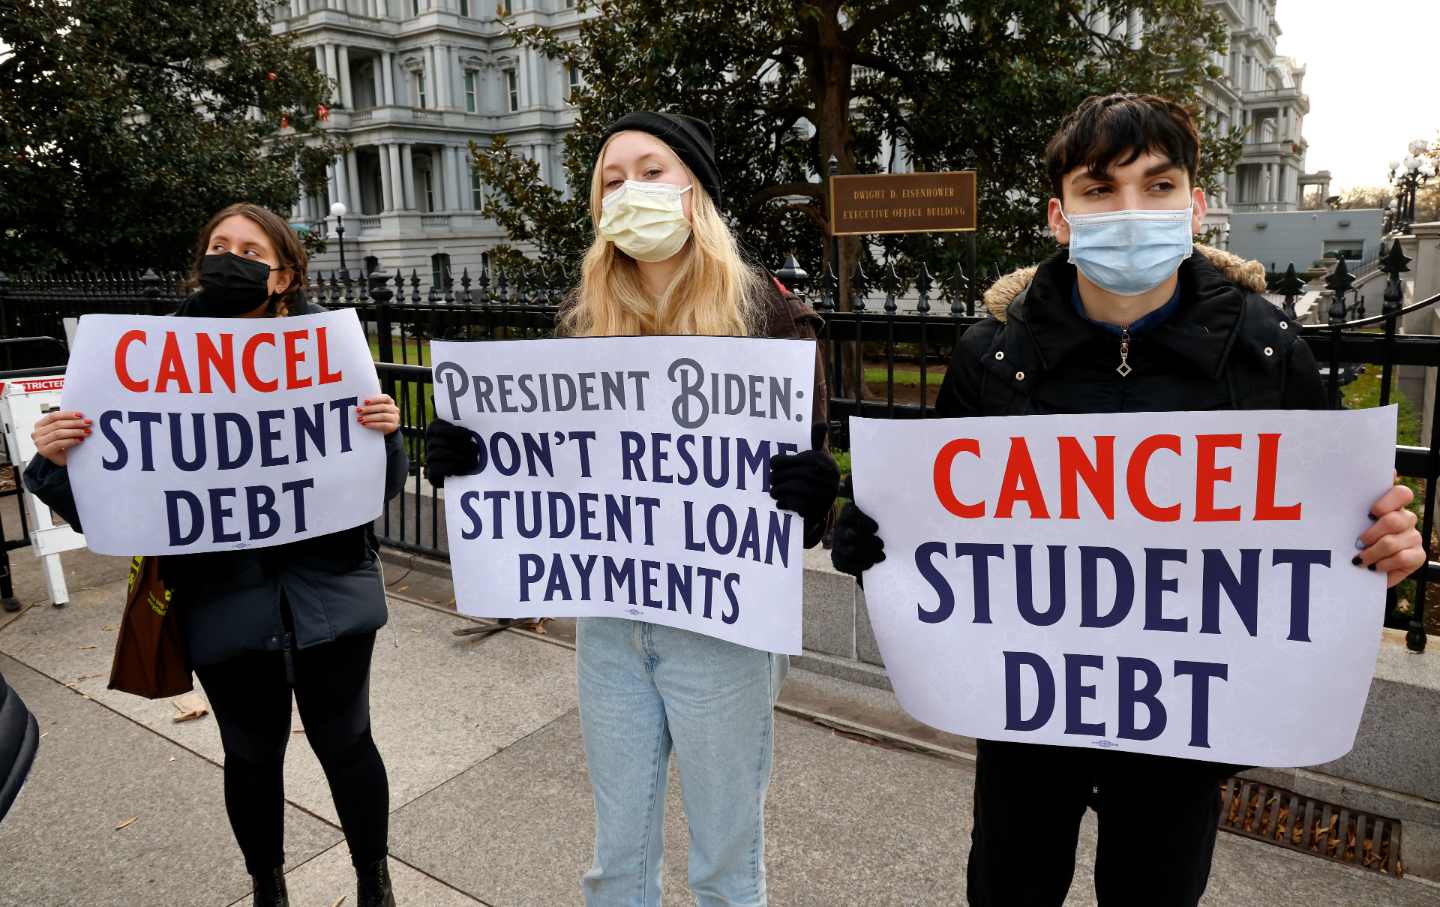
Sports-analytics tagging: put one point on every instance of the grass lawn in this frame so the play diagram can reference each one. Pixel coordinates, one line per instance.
(905, 375)
(413, 411)
(1364, 392)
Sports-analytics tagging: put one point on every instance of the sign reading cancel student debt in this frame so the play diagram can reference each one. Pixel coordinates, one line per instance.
(1169, 583)
(629, 477)
(215, 434)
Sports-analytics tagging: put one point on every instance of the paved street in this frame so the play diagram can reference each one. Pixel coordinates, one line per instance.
(489, 797)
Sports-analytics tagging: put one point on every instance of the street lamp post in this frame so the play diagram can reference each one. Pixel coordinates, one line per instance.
(1407, 175)
(338, 209)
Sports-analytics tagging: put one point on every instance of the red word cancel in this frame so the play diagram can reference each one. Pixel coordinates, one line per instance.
(1111, 477)
(202, 363)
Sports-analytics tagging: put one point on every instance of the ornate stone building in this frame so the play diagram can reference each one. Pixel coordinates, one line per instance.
(415, 82)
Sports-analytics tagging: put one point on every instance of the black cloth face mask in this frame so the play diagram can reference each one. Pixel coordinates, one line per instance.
(230, 286)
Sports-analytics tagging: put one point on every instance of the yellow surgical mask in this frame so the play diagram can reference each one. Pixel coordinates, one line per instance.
(645, 220)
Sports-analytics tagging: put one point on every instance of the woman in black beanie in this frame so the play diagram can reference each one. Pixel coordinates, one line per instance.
(664, 262)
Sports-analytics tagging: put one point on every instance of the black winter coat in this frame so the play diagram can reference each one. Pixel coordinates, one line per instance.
(19, 739)
(229, 602)
(1224, 347)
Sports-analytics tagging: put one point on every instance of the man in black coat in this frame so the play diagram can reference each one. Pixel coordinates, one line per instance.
(1128, 316)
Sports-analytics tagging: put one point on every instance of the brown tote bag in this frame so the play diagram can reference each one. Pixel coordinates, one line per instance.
(150, 651)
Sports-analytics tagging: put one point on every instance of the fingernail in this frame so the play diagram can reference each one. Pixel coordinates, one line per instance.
(1355, 560)
(87, 431)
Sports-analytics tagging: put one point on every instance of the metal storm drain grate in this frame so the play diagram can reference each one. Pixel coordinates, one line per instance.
(1311, 826)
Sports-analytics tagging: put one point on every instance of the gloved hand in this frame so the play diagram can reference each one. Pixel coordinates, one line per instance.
(855, 545)
(805, 483)
(449, 451)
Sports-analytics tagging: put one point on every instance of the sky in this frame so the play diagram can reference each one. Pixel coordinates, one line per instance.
(1370, 75)
(1369, 72)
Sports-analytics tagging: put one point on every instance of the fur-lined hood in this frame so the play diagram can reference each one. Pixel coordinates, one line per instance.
(1246, 274)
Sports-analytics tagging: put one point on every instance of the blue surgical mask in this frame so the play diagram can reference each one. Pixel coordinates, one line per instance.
(1130, 252)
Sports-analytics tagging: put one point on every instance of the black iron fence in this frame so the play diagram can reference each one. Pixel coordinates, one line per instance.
(882, 359)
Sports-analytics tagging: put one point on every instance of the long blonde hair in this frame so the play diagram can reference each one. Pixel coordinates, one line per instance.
(715, 292)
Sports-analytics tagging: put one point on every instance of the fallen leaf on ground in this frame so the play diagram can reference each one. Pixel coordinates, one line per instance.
(190, 706)
(107, 627)
(83, 648)
(126, 822)
(339, 901)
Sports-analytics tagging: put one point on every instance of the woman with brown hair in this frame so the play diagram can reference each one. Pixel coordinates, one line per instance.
(260, 623)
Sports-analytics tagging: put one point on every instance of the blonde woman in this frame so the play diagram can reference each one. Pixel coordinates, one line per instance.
(664, 262)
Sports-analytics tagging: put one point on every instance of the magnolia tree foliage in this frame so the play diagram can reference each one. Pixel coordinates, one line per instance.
(125, 124)
(961, 84)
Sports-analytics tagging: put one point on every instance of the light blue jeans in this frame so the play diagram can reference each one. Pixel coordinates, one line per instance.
(645, 689)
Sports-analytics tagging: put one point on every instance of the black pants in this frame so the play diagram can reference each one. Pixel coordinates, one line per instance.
(251, 701)
(1157, 818)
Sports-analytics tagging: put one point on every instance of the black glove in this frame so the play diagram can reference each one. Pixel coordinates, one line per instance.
(449, 451)
(805, 483)
(855, 545)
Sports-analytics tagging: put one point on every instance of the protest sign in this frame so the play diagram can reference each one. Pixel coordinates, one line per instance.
(215, 434)
(1169, 583)
(629, 477)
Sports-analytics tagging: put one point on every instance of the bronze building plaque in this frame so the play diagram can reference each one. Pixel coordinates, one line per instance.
(902, 203)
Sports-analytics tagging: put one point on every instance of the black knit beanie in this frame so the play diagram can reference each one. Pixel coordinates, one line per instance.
(690, 138)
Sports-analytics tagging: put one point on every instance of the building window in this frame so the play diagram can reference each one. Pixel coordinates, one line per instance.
(512, 89)
(430, 191)
(464, 7)
(502, 7)
(440, 270)
(572, 79)
(414, 7)
(477, 192)
(420, 87)
(472, 78)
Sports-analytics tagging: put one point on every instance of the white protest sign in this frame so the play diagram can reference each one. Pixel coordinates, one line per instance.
(629, 477)
(215, 434)
(1169, 583)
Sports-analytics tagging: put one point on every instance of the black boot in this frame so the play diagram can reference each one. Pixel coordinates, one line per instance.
(372, 885)
(270, 889)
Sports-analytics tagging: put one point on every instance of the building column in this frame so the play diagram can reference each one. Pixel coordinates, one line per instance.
(332, 68)
(378, 80)
(347, 100)
(407, 175)
(438, 174)
(333, 179)
(442, 77)
(352, 172)
(392, 167)
(387, 70)
(428, 66)
(461, 156)
(387, 196)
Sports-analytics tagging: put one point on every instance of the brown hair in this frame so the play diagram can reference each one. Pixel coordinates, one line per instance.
(1109, 129)
(287, 246)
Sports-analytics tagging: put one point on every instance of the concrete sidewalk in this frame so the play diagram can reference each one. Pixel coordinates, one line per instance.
(489, 799)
